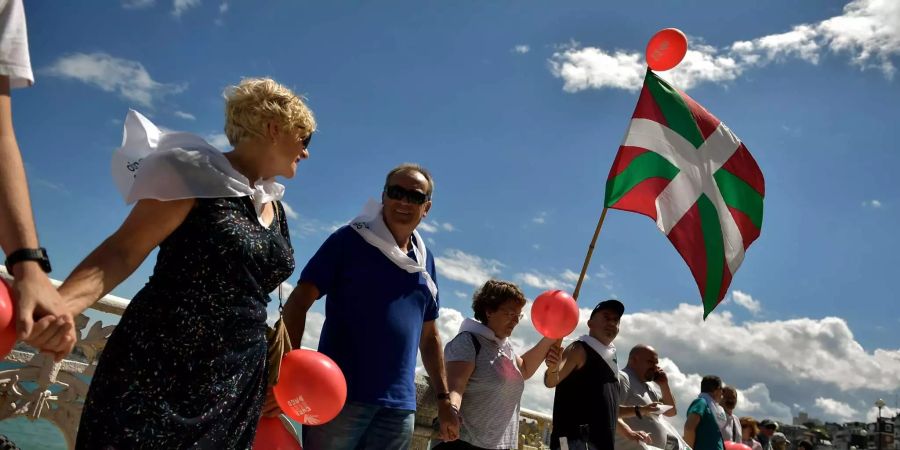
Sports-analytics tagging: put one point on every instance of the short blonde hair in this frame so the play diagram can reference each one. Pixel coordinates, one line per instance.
(255, 102)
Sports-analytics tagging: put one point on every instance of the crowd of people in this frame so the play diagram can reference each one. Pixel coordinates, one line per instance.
(187, 366)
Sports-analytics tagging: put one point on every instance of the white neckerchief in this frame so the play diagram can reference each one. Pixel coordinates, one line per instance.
(370, 225)
(607, 352)
(476, 327)
(734, 426)
(166, 165)
(717, 411)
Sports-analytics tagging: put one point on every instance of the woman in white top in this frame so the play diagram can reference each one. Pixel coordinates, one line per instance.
(485, 376)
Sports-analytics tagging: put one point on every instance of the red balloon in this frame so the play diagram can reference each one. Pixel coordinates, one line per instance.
(271, 434)
(311, 388)
(554, 314)
(730, 445)
(8, 336)
(666, 49)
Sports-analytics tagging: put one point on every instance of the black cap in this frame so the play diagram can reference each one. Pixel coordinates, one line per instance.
(611, 304)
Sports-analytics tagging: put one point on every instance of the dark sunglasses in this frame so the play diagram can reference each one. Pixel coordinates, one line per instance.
(398, 193)
(307, 140)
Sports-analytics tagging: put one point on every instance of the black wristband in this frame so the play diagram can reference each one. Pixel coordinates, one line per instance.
(443, 396)
(38, 255)
(637, 411)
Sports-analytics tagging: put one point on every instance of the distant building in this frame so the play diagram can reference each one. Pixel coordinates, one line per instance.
(853, 434)
(804, 419)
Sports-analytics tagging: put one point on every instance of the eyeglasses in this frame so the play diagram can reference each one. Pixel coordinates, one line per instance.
(398, 193)
(512, 315)
(307, 140)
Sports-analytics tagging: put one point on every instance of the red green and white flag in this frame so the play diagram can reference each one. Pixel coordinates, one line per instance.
(685, 169)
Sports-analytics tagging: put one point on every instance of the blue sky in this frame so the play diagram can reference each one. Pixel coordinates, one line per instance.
(518, 109)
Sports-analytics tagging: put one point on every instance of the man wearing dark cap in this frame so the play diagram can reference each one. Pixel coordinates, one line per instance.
(586, 376)
(767, 429)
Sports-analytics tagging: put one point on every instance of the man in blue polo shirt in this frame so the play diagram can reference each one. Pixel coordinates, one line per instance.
(381, 307)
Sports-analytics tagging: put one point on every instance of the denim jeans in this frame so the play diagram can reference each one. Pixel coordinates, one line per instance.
(362, 426)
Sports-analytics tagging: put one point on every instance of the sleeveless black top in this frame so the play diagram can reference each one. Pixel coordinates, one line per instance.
(586, 403)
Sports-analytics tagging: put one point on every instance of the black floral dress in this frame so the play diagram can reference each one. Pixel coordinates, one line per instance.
(186, 366)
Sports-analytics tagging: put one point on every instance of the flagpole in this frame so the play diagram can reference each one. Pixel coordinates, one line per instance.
(587, 262)
(587, 258)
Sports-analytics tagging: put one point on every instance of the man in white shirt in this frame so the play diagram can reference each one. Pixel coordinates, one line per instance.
(26, 261)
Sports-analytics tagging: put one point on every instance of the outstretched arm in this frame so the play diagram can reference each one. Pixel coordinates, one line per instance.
(148, 224)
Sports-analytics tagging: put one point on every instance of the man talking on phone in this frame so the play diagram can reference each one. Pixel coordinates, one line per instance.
(644, 392)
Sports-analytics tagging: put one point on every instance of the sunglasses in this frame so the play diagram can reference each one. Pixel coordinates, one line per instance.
(307, 140)
(398, 193)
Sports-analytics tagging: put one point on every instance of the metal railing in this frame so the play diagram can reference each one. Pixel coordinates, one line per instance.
(39, 388)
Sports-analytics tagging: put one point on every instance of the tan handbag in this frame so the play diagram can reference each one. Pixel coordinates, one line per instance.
(278, 338)
(279, 344)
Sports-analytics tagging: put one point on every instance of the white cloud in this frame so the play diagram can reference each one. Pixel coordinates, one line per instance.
(313, 329)
(522, 49)
(127, 78)
(541, 218)
(572, 276)
(805, 350)
(434, 226)
(223, 8)
(540, 280)
(465, 268)
(184, 115)
(836, 410)
(427, 227)
(772, 364)
(593, 68)
(461, 294)
(887, 411)
(218, 140)
(872, 204)
(604, 272)
(305, 227)
(137, 4)
(180, 6)
(448, 323)
(745, 300)
(868, 30)
(289, 211)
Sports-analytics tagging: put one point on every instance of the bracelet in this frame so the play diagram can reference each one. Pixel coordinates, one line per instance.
(637, 412)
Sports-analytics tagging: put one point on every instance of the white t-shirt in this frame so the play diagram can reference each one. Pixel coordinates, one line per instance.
(490, 405)
(14, 59)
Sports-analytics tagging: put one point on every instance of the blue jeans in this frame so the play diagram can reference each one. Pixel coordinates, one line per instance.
(362, 426)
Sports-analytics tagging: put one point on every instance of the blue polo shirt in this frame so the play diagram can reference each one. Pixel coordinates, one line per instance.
(374, 313)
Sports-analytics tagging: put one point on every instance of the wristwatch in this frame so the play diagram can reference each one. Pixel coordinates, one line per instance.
(38, 255)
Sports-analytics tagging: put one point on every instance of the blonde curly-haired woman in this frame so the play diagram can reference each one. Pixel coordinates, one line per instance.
(186, 367)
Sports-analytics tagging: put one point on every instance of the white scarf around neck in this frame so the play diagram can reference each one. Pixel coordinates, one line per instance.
(717, 411)
(607, 352)
(370, 225)
(167, 165)
(475, 327)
